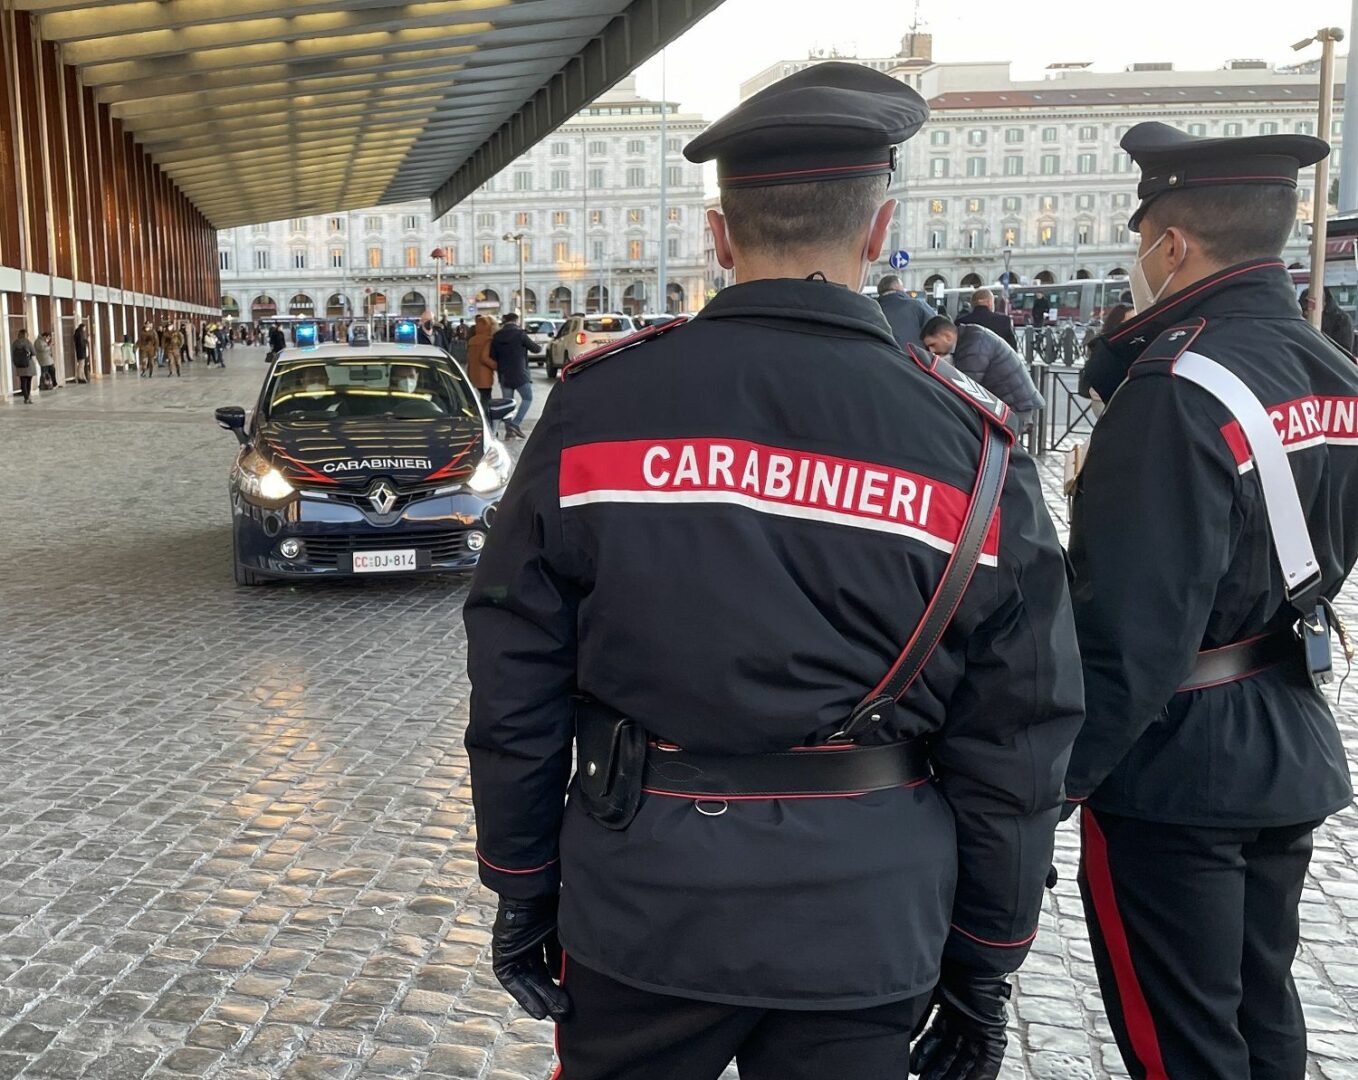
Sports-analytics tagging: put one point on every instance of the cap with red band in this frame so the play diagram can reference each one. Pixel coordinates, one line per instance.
(830, 121)
(1172, 160)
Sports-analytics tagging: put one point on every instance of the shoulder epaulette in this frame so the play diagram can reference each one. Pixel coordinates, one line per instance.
(1159, 356)
(966, 388)
(603, 352)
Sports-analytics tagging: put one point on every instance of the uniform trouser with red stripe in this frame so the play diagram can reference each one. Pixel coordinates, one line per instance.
(1194, 931)
(617, 1032)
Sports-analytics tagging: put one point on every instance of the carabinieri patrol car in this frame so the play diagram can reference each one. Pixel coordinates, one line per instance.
(363, 458)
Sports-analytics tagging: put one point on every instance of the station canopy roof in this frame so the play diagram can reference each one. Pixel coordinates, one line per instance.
(261, 110)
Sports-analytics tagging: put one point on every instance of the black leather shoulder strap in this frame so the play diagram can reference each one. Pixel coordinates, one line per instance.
(966, 388)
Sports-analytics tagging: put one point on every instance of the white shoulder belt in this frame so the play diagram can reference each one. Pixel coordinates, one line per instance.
(1286, 520)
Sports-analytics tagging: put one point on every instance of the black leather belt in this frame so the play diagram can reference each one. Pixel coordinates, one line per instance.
(1231, 663)
(813, 771)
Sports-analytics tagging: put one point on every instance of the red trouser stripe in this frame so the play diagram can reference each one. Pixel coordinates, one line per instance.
(1136, 1014)
(556, 1028)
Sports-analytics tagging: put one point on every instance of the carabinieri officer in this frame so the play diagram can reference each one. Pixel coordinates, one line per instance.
(1214, 517)
(822, 694)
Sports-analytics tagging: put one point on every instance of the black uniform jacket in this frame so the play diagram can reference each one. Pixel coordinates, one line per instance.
(1172, 554)
(728, 533)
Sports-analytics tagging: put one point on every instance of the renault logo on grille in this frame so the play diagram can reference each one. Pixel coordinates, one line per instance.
(382, 497)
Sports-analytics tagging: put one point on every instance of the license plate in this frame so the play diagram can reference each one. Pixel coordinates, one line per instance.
(379, 562)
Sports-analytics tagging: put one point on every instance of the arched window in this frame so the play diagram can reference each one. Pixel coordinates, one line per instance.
(528, 305)
(263, 307)
(230, 307)
(972, 281)
(1045, 277)
(674, 298)
(412, 305)
(375, 303)
(560, 300)
(634, 298)
(453, 302)
(487, 300)
(337, 306)
(1082, 274)
(302, 305)
(596, 299)
(1117, 271)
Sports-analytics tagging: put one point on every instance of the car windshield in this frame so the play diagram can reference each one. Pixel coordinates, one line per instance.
(540, 326)
(608, 324)
(401, 388)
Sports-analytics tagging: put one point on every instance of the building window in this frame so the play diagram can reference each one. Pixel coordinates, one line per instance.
(674, 213)
(487, 254)
(596, 250)
(938, 206)
(412, 257)
(1122, 163)
(672, 145)
(561, 219)
(1013, 135)
(636, 216)
(1087, 163)
(1049, 134)
(598, 147)
(1122, 200)
(1046, 235)
(526, 247)
(299, 260)
(1046, 203)
(374, 257)
(224, 260)
(1119, 232)
(261, 259)
(975, 166)
(523, 180)
(1337, 127)
(938, 237)
(975, 206)
(1084, 202)
(1197, 129)
(1011, 204)
(1013, 165)
(596, 217)
(938, 167)
(449, 251)
(596, 178)
(561, 179)
(674, 175)
(1121, 130)
(973, 239)
(976, 137)
(672, 247)
(485, 221)
(636, 146)
(336, 258)
(1268, 127)
(1306, 127)
(634, 249)
(336, 224)
(561, 251)
(1011, 236)
(938, 137)
(372, 223)
(298, 224)
(1084, 233)
(560, 149)
(1088, 132)
(522, 219)
(636, 177)
(1051, 164)
(411, 222)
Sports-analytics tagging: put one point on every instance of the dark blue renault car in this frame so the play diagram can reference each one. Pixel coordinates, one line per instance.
(362, 459)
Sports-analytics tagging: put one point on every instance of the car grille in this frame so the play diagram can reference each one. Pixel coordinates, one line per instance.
(405, 495)
(442, 545)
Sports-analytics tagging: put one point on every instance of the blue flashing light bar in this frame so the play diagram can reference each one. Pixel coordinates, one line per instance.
(405, 332)
(305, 333)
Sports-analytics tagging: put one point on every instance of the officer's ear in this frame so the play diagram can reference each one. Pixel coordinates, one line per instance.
(721, 239)
(881, 222)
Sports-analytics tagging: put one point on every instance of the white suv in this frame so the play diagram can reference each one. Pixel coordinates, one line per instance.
(580, 334)
(541, 331)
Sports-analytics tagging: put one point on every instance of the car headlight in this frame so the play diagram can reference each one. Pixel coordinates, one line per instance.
(493, 472)
(260, 480)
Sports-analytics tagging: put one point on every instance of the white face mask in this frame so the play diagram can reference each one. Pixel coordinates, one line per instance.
(1143, 297)
(407, 385)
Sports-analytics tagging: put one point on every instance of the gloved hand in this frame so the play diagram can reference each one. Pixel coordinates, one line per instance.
(965, 1039)
(1069, 807)
(522, 942)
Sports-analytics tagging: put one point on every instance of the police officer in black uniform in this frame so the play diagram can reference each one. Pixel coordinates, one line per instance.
(718, 562)
(1209, 755)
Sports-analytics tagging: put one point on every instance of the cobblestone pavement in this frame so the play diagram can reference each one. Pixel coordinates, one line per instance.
(236, 835)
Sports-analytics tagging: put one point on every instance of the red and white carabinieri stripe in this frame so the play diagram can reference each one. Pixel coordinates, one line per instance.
(770, 480)
(1306, 422)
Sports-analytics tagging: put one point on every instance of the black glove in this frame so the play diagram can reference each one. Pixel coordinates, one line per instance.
(965, 1039)
(1069, 807)
(522, 942)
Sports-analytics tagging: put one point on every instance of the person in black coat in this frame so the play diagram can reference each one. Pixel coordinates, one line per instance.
(905, 314)
(983, 313)
(714, 547)
(1335, 323)
(509, 348)
(1208, 756)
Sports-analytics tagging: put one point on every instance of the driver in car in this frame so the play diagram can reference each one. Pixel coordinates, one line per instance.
(404, 378)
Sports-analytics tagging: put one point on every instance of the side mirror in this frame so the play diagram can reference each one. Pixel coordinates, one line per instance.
(498, 410)
(232, 418)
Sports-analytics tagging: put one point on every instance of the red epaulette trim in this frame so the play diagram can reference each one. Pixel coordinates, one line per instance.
(968, 389)
(587, 359)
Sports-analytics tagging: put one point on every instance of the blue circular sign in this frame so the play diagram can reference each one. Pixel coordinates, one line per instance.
(900, 260)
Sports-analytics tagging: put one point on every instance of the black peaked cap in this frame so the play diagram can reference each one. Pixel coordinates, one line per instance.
(830, 121)
(1172, 160)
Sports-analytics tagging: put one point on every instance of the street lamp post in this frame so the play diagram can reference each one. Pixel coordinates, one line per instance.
(438, 255)
(517, 239)
(1320, 200)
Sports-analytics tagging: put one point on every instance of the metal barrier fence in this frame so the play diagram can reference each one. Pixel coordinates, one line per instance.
(1055, 358)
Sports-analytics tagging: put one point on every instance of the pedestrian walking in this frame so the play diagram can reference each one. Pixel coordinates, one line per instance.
(980, 354)
(1038, 317)
(174, 350)
(185, 342)
(47, 365)
(81, 341)
(480, 364)
(148, 348)
(906, 314)
(211, 346)
(509, 348)
(1212, 523)
(763, 855)
(983, 313)
(127, 354)
(1335, 323)
(277, 343)
(22, 357)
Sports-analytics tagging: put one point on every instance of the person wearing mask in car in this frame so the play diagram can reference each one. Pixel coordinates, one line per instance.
(509, 349)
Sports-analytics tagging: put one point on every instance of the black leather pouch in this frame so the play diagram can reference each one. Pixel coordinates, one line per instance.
(1315, 636)
(610, 760)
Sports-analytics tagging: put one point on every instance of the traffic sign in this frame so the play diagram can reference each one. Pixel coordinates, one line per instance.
(471, 307)
(900, 259)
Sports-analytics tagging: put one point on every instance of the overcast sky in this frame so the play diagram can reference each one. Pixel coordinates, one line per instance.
(706, 66)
